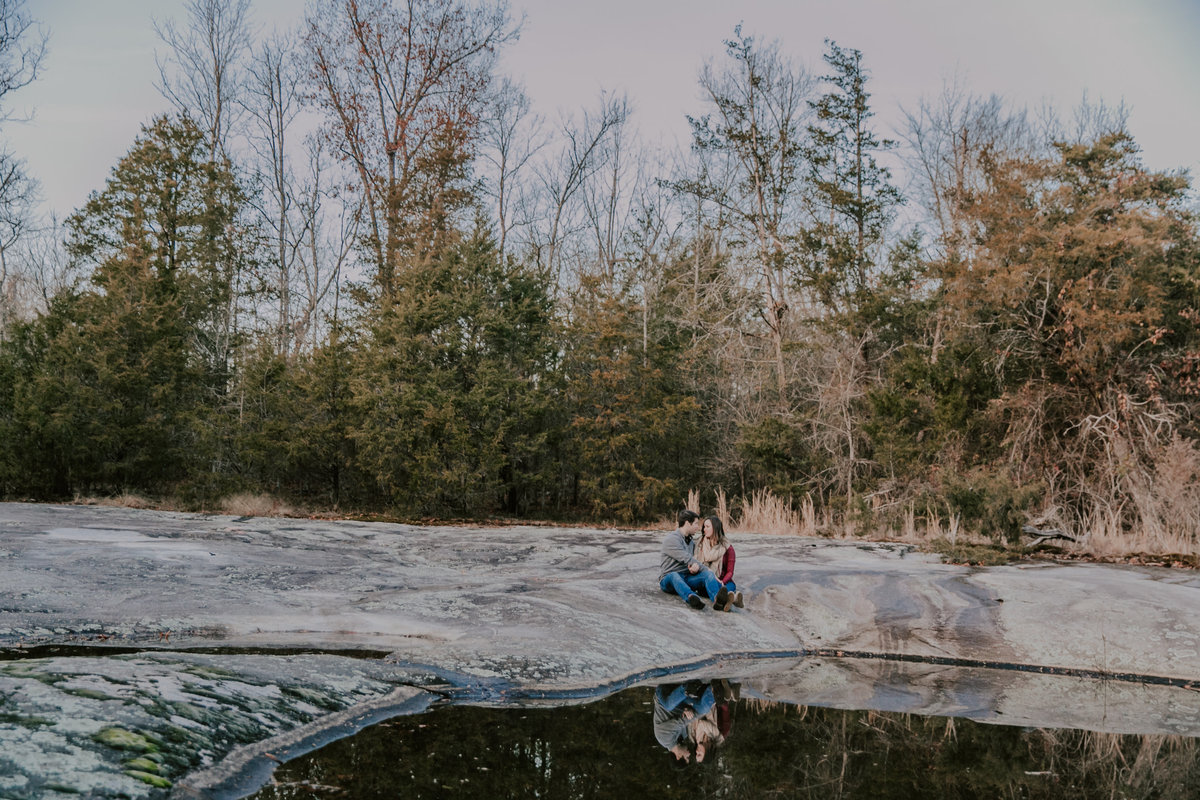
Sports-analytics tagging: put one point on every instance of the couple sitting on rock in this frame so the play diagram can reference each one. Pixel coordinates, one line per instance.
(695, 567)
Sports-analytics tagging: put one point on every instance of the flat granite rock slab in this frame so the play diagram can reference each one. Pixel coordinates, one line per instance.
(559, 606)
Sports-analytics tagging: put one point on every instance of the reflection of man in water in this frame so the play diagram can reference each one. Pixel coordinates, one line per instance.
(678, 710)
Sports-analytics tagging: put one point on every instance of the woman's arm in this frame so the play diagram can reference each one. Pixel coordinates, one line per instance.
(727, 565)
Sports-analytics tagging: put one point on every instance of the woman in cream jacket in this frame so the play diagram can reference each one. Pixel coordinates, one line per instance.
(715, 551)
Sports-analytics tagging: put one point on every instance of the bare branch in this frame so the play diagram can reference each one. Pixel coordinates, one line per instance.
(201, 74)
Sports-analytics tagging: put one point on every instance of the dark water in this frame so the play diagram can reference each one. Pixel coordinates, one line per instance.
(610, 750)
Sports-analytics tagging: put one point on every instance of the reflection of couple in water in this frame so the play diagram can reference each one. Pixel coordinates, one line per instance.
(698, 566)
(693, 715)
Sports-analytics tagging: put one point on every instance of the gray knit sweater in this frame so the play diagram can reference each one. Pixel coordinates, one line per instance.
(677, 554)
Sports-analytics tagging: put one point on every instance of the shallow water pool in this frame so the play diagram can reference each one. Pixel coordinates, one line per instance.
(729, 742)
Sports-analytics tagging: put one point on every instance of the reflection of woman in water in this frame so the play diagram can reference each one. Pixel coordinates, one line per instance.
(676, 708)
(692, 715)
(717, 554)
(705, 734)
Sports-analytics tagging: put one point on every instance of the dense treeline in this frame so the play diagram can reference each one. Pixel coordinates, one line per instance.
(352, 267)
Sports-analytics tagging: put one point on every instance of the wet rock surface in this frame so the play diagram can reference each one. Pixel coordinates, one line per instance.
(129, 725)
(209, 643)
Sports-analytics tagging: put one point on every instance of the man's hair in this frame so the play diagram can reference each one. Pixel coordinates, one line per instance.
(685, 516)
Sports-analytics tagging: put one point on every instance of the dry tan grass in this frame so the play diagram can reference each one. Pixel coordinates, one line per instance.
(1107, 533)
(920, 529)
(1147, 503)
(761, 704)
(1135, 764)
(763, 512)
(255, 505)
(1160, 517)
(125, 500)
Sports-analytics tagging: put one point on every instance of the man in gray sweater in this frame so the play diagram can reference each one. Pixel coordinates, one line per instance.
(681, 573)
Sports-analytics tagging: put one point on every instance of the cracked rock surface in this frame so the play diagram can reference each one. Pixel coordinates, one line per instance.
(186, 641)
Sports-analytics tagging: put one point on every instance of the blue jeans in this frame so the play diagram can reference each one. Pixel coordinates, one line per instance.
(685, 583)
(679, 696)
(730, 587)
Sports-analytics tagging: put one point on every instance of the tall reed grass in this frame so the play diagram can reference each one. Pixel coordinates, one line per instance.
(126, 500)
(1158, 518)
(255, 505)
(762, 512)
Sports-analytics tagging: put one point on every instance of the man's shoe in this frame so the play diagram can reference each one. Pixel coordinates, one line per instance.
(721, 599)
(695, 602)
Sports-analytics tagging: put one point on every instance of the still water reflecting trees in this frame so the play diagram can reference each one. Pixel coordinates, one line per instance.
(611, 748)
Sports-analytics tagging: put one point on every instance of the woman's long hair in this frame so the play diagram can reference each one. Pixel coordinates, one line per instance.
(718, 530)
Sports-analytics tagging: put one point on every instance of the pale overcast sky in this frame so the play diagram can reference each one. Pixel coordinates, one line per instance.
(98, 86)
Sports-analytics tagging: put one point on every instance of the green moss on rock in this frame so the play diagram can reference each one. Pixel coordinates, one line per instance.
(981, 555)
(210, 671)
(122, 739)
(312, 697)
(90, 694)
(32, 723)
(145, 777)
(24, 671)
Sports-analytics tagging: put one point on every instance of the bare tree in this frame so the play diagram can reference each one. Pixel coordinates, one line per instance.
(834, 381)
(1093, 119)
(18, 197)
(651, 235)
(709, 221)
(512, 137)
(311, 228)
(272, 103)
(200, 75)
(22, 50)
(328, 231)
(401, 85)
(37, 269)
(580, 155)
(706, 280)
(758, 107)
(608, 202)
(948, 139)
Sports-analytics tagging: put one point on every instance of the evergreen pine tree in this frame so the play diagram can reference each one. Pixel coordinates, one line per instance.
(853, 198)
(449, 385)
(116, 386)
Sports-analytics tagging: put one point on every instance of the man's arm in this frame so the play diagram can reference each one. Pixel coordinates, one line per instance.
(675, 547)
